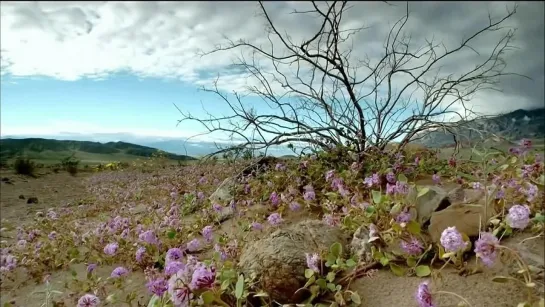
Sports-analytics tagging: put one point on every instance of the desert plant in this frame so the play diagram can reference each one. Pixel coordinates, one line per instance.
(24, 166)
(70, 164)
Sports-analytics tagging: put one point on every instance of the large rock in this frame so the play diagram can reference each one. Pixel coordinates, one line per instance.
(434, 199)
(278, 261)
(224, 192)
(465, 217)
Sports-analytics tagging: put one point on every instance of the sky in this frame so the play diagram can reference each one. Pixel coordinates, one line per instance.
(118, 68)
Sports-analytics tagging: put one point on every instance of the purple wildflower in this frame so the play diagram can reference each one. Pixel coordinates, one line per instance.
(88, 300)
(401, 188)
(313, 262)
(275, 219)
(203, 180)
(412, 247)
(485, 248)
(295, 206)
(149, 237)
(119, 272)
(207, 233)
(203, 277)
(390, 188)
(436, 178)
(309, 193)
(193, 245)
(391, 177)
(174, 254)
(91, 267)
(452, 240)
(111, 249)
(423, 295)
(217, 207)
(280, 167)
(329, 175)
(178, 290)
(275, 200)
(173, 266)
(331, 220)
(257, 226)
(140, 253)
(403, 217)
(518, 216)
(247, 189)
(52, 235)
(157, 286)
(476, 185)
(200, 195)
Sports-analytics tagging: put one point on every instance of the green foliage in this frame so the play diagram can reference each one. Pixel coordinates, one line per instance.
(70, 164)
(24, 166)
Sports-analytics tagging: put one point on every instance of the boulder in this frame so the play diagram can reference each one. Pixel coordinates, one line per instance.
(278, 262)
(224, 193)
(465, 217)
(433, 200)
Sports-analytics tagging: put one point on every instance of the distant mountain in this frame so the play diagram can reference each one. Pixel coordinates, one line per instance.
(512, 126)
(10, 148)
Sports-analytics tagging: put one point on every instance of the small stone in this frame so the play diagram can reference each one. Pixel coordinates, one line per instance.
(435, 199)
(360, 245)
(21, 196)
(32, 200)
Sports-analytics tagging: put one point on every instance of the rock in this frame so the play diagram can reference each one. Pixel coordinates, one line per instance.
(21, 196)
(465, 217)
(531, 250)
(224, 192)
(225, 214)
(433, 200)
(32, 200)
(360, 245)
(278, 261)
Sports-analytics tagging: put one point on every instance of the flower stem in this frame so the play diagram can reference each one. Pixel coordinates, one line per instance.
(454, 294)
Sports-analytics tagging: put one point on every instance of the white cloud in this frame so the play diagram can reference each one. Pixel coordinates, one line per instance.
(71, 40)
(53, 128)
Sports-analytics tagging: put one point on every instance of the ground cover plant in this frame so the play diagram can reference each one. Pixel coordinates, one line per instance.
(160, 224)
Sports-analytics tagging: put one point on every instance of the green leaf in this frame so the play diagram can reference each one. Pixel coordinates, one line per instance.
(411, 262)
(330, 276)
(355, 298)
(171, 234)
(413, 227)
(322, 283)
(539, 218)
(377, 197)
(351, 263)
(384, 261)
(154, 301)
(397, 270)
(478, 153)
(500, 279)
(402, 178)
(422, 191)
(310, 281)
(239, 288)
(470, 177)
(208, 297)
(331, 286)
(370, 210)
(309, 273)
(396, 209)
(422, 270)
(336, 249)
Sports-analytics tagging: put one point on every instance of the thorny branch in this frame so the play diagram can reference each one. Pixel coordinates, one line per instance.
(321, 96)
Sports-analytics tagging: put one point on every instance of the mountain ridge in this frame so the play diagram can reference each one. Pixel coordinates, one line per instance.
(11, 147)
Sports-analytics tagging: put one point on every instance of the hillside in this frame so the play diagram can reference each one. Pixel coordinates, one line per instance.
(512, 126)
(89, 152)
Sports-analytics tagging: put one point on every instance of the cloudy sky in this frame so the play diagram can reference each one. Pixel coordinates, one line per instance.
(118, 67)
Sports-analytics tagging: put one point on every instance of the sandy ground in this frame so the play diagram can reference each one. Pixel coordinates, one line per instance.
(381, 289)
